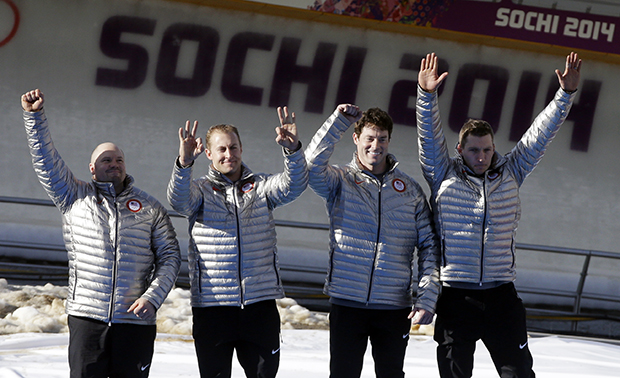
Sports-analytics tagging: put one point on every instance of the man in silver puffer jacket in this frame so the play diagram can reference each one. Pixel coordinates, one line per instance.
(475, 200)
(233, 261)
(378, 217)
(123, 254)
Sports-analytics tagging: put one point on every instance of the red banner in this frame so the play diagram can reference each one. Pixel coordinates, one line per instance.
(504, 19)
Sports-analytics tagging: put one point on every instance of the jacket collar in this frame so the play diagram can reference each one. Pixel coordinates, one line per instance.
(217, 177)
(106, 189)
(392, 163)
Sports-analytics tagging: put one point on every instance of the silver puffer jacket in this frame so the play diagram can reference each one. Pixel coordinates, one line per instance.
(232, 254)
(120, 247)
(477, 217)
(375, 228)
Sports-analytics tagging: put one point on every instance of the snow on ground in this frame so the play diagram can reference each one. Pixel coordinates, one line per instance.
(34, 339)
(41, 309)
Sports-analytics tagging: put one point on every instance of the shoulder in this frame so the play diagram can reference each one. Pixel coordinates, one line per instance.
(145, 199)
(400, 175)
(204, 181)
(260, 176)
(402, 182)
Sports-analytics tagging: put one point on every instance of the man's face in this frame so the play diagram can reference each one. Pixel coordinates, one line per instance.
(372, 148)
(108, 164)
(224, 151)
(477, 152)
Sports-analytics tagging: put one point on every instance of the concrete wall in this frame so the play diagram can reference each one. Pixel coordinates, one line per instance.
(132, 72)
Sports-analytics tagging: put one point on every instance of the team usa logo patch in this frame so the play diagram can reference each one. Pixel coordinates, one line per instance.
(248, 186)
(399, 185)
(134, 205)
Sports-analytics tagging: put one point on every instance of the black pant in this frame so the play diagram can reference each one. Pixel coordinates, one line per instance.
(100, 350)
(253, 332)
(495, 316)
(350, 329)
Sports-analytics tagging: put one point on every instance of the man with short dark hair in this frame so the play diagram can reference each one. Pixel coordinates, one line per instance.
(378, 218)
(475, 200)
(123, 254)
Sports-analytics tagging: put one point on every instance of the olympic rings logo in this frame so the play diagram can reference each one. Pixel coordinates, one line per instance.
(5, 40)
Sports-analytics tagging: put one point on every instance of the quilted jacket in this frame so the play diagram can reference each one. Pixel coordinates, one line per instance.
(477, 217)
(120, 247)
(232, 254)
(375, 228)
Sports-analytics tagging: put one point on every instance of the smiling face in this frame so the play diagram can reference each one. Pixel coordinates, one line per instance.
(477, 152)
(107, 164)
(224, 150)
(372, 148)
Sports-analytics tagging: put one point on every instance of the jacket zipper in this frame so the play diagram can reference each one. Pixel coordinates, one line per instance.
(239, 268)
(114, 265)
(374, 261)
(484, 221)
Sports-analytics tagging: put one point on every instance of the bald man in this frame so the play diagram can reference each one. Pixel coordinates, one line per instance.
(107, 164)
(123, 254)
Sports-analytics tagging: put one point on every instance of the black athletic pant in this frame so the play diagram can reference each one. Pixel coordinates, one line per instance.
(253, 332)
(350, 329)
(100, 350)
(495, 316)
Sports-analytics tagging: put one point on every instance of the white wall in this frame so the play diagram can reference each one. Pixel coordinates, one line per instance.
(570, 200)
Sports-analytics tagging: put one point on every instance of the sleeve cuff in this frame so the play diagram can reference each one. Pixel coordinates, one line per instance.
(178, 163)
(290, 152)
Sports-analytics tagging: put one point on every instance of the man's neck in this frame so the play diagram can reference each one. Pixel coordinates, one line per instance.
(375, 170)
(233, 177)
(119, 186)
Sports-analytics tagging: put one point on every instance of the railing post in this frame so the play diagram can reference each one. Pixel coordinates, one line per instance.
(580, 285)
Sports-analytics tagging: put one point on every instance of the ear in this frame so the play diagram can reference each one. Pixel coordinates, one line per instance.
(91, 166)
(459, 148)
(208, 153)
(355, 139)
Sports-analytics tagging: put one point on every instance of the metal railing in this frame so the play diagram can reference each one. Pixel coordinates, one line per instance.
(574, 314)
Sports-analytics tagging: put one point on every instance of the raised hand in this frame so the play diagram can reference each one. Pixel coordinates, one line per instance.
(287, 131)
(32, 101)
(428, 78)
(190, 147)
(569, 80)
(351, 112)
